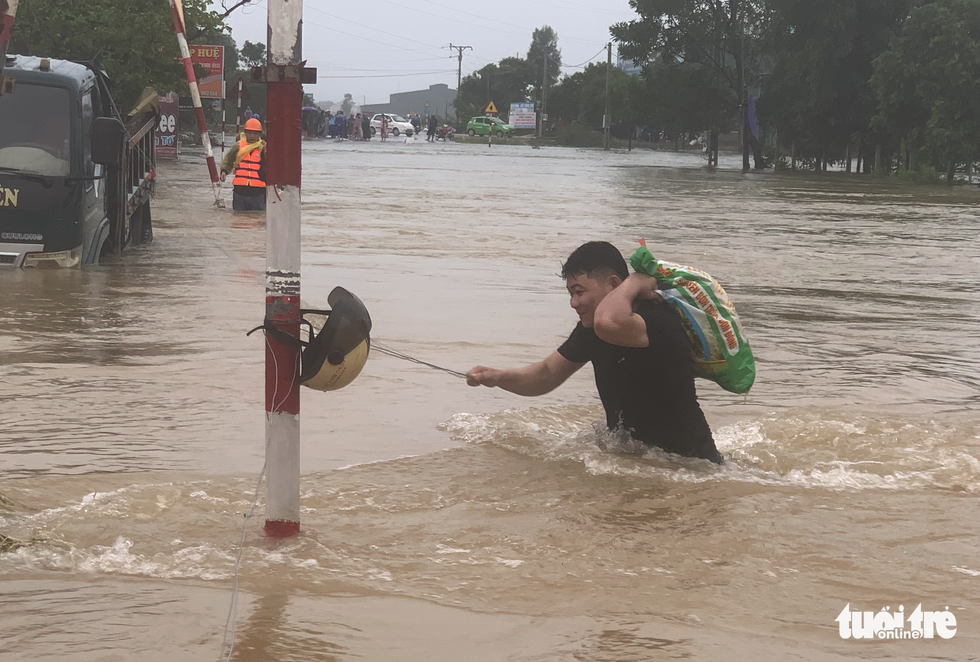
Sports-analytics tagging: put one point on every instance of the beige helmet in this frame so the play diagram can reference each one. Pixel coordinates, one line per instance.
(338, 348)
(336, 354)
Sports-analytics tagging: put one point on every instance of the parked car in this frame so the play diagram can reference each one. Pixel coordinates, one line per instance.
(482, 126)
(397, 125)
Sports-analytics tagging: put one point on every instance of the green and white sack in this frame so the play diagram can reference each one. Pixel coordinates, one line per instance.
(720, 351)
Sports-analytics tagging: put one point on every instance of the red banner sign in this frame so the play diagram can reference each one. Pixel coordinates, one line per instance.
(211, 58)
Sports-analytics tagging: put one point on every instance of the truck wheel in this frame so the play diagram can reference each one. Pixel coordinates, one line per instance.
(107, 248)
(147, 234)
(471, 133)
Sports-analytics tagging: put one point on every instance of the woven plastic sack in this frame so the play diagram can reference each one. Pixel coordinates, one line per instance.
(720, 351)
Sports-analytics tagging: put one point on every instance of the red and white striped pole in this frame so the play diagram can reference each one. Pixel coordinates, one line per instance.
(238, 110)
(284, 123)
(185, 55)
(6, 27)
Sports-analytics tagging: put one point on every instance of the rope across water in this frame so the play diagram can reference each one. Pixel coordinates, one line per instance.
(406, 357)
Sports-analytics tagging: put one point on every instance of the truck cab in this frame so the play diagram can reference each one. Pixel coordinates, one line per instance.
(58, 205)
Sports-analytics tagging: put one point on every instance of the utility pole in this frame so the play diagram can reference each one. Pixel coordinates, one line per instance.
(544, 86)
(284, 75)
(606, 120)
(743, 91)
(459, 70)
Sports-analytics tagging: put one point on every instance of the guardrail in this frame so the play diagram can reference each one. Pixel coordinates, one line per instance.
(140, 181)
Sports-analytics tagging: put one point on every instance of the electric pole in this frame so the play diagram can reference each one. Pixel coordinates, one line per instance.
(743, 108)
(544, 91)
(283, 75)
(459, 71)
(606, 120)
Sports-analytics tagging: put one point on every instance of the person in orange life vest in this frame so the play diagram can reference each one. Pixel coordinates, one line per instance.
(247, 160)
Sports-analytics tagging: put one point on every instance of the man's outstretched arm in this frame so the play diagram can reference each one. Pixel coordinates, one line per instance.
(535, 379)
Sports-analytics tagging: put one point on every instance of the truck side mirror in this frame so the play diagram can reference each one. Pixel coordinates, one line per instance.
(108, 134)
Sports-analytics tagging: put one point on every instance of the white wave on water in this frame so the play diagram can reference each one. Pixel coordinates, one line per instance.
(72, 537)
(809, 450)
(196, 561)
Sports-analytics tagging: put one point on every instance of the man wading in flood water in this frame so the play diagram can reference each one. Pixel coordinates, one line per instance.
(638, 349)
(247, 160)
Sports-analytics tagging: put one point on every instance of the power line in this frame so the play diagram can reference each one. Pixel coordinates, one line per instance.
(483, 18)
(576, 66)
(391, 70)
(417, 73)
(337, 63)
(373, 29)
(571, 6)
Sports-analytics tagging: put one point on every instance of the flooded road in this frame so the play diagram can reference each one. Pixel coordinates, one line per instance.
(442, 522)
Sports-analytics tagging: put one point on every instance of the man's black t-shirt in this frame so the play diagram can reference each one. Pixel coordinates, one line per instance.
(648, 391)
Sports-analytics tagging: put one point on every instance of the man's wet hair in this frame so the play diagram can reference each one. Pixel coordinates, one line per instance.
(595, 258)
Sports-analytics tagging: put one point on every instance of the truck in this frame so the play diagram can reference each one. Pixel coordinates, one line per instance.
(76, 176)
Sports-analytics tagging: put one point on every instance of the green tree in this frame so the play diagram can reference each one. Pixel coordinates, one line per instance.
(134, 39)
(503, 83)
(581, 97)
(684, 99)
(252, 55)
(720, 35)
(927, 85)
(818, 92)
(544, 42)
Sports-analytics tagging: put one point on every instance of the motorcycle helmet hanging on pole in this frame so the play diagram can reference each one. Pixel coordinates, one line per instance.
(337, 349)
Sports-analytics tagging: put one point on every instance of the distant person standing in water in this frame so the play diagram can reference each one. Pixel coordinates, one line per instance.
(384, 127)
(431, 134)
(639, 351)
(366, 127)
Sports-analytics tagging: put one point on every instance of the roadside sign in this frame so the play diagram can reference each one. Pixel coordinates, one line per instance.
(211, 58)
(166, 134)
(522, 116)
(490, 109)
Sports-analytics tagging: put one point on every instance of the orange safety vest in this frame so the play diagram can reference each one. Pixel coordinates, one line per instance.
(247, 171)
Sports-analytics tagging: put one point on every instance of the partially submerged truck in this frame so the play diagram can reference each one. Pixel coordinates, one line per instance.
(76, 177)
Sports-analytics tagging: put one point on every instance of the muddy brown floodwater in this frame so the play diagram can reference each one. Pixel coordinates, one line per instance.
(442, 522)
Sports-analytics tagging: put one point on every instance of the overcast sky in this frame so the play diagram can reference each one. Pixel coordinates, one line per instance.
(373, 48)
